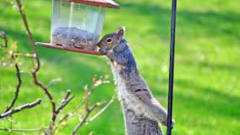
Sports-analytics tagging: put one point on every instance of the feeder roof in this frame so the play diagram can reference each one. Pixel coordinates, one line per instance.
(103, 3)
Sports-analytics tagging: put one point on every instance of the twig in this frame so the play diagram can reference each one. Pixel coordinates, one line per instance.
(64, 102)
(22, 130)
(84, 119)
(30, 37)
(30, 55)
(66, 116)
(5, 39)
(102, 110)
(20, 108)
(88, 110)
(52, 82)
(17, 87)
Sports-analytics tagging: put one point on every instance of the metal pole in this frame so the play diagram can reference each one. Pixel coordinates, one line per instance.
(171, 68)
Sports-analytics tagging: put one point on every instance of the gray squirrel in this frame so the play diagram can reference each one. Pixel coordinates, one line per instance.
(134, 94)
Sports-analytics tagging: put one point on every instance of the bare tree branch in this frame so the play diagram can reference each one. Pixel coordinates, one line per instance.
(7, 111)
(34, 49)
(20, 108)
(17, 87)
(37, 68)
(4, 37)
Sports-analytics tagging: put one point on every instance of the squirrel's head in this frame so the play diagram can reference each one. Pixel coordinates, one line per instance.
(111, 42)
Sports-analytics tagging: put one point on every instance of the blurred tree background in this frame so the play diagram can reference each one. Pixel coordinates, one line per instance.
(207, 77)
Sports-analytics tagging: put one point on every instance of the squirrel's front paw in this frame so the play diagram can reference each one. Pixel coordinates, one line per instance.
(173, 122)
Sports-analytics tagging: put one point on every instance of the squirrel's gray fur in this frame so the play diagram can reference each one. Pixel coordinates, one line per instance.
(142, 111)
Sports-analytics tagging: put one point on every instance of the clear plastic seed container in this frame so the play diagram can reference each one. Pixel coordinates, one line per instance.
(78, 23)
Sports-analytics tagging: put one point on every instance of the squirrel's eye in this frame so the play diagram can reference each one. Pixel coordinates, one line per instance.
(109, 40)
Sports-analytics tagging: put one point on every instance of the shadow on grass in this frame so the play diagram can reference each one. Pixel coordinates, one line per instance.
(190, 23)
(234, 67)
(212, 102)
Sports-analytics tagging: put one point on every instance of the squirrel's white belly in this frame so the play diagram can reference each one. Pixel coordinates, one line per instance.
(131, 102)
(128, 99)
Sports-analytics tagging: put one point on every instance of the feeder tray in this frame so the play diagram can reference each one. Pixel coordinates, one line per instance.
(49, 45)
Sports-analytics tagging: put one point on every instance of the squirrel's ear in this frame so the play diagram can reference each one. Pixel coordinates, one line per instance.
(121, 31)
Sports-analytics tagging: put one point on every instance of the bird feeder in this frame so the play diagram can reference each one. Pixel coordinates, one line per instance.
(77, 24)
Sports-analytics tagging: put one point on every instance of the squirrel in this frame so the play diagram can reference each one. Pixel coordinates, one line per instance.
(132, 89)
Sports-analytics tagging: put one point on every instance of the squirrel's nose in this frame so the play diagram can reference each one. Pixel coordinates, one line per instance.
(98, 44)
(103, 51)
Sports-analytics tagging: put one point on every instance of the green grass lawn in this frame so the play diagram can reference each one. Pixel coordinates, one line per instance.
(207, 76)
